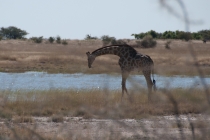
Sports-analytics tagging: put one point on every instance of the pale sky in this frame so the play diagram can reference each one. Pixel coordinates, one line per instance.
(74, 19)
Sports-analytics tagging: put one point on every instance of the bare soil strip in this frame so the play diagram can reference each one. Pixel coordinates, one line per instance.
(164, 127)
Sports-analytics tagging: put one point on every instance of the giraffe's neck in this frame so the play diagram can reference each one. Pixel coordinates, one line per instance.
(119, 50)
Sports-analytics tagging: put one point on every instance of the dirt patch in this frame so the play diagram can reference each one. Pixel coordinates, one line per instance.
(159, 127)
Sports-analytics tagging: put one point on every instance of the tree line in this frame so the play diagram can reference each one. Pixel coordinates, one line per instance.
(16, 33)
(12, 32)
(200, 35)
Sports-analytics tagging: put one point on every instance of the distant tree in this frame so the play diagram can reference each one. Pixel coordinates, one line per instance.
(107, 39)
(152, 33)
(187, 36)
(184, 35)
(51, 39)
(159, 35)
(37, 39)
(12, 33)
(179, 34)
(58, 39)
(169, 35)
(196, 36)
(205, 34)
(139, 36)
(88, 37)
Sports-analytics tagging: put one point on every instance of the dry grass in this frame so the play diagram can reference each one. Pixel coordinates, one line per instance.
(20, 108)
(22, 119)
(102, 104)
(20, 56)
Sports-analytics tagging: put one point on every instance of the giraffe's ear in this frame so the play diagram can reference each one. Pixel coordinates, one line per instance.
(88, 53)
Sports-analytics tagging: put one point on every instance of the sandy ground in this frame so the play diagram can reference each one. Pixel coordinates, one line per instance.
(21, 56)
(164, 127)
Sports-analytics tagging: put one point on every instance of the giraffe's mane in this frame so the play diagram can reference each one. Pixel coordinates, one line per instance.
(124, 45)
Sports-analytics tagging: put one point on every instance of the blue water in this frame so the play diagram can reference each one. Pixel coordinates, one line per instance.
(45, 81)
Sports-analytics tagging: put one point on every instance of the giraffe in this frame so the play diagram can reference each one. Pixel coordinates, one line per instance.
(129, 60)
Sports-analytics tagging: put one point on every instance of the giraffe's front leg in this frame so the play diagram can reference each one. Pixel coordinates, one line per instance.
(125, 75)
(147, 75)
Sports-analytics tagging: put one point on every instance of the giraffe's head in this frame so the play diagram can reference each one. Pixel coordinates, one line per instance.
(91, 58)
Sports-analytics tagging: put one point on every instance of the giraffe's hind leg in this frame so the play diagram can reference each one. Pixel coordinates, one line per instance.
(147, 75)
(125, 75)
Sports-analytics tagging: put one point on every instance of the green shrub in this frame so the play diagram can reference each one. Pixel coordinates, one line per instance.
(148, 42)
(64, 42)
(58, 39)
(0, 38)
(51, 39)
(89, 37)
(37, 39)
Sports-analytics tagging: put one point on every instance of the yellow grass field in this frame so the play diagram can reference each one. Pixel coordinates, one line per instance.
(100, 114)
(20, 56)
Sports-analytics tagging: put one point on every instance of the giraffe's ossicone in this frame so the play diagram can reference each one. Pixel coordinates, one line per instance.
(129, 60)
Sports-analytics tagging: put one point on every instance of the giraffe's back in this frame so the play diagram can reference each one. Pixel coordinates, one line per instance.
(144, 61)
(139, 62)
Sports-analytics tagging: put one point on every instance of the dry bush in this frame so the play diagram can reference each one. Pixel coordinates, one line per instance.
(9, 58)
(64, 42)
(6, 114)
(22, 119)
(107, 39)
(167, 45)
(57, 118)
(37, 39)
(148, 42)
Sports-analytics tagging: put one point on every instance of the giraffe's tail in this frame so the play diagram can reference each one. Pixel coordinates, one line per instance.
(154, 82)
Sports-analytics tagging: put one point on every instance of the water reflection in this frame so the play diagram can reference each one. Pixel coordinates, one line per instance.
(45, 81)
